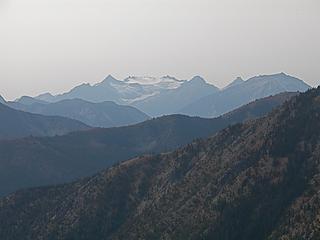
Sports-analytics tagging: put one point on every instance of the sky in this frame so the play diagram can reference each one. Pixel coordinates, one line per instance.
(53, 45)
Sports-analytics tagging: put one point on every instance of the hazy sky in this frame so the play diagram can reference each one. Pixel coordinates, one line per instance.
(52, 45)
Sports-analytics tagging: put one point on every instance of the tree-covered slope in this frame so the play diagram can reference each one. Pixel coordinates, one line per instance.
(31, 162)
(257, 180)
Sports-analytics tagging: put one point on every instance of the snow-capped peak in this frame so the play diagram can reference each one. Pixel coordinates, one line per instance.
(166, 82)
(109, 79)
(145, 80)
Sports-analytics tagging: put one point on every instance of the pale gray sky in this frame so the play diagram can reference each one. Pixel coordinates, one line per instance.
(53, 45)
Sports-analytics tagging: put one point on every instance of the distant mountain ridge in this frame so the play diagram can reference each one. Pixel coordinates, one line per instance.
(39, 161)
(17, 124)
(170, 101)
(243, 92)
(149, 94)
(104, 114)
(127, 91)
(168, 95)
(258, 180)
(26, 100)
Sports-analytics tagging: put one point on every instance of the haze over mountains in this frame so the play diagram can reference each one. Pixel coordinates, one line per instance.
(241, 92)
(257, 180)
(168, 95)
(165, 179)
(17, 124)
(103, 114)
(39, 161)
(154, 96)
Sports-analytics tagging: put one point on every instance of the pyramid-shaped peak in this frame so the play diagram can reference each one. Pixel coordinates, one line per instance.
(110, 77)
(235, 82)
(198, 79)
(107, 80)
(238, 80)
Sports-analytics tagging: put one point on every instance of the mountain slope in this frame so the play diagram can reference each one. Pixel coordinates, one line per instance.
(241, 93)
(26, 100)
(104, 91)
(17, 124)
(104, 114)
(122, 92)
(235, 82)
(154, 96)
(257, 180)
(168, 95)
(40, 161)
(171, 101)
(2, 100)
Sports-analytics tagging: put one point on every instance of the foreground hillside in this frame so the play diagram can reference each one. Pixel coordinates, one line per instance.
(16, 124)
(258, 180)
(39, 161)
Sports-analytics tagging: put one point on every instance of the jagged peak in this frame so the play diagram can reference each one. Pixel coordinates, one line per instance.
(170, 77)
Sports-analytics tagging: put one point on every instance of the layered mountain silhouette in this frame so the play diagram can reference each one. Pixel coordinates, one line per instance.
(17, 124)
(168, 95)
(241, 92)
(154, 96)
(257, 180)
(40, 161)
(26, 100)
(170, 101)
(104, 114)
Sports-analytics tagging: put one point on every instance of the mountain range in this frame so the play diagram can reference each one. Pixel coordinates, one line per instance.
(40, 161)
(103, 114)
(154, 96)
(168, 95)
(17, 124)
(256, 180)
(240, 92)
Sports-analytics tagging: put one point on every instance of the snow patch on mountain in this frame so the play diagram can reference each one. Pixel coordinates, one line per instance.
(165, 82)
